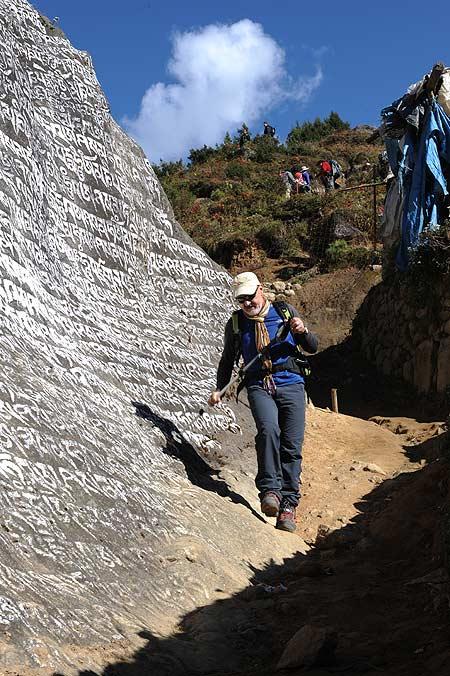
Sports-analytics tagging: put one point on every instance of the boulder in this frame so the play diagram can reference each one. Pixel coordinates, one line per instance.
(310, 646)
(279, 286)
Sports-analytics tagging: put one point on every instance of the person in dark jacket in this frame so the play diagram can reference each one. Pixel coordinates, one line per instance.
(268, 130)
(276, 394)
(244, 135)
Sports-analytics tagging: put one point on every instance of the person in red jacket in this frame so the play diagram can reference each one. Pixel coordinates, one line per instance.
(326, 175)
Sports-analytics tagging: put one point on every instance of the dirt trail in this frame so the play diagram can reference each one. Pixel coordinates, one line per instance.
(375, 575)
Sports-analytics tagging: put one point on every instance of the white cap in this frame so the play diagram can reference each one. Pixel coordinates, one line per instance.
(305, 168)
(245, 284)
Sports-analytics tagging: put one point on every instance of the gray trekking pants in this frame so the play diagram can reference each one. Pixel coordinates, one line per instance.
(280, 424)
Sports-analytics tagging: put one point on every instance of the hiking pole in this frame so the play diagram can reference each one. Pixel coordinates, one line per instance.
(281, 334)
(238, 375)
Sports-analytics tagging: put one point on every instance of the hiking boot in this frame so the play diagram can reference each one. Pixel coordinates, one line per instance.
(270, 504)
(286, 517)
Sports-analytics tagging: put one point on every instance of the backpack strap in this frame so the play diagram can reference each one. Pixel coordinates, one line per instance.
(286, 315)
(283, 310)
(237, 334)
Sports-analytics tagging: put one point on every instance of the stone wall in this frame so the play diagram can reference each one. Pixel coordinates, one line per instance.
(403, 327)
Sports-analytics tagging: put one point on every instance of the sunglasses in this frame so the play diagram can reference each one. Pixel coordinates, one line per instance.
(249, 298)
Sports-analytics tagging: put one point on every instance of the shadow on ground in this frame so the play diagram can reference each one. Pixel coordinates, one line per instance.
(197, 469)
(379, 584)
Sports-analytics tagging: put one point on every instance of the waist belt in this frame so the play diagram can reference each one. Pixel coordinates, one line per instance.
(297, 365)
(294, 365)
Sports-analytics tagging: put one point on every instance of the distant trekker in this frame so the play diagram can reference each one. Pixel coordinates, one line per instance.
(244, 135)
(299, 182)
(289, 182)
(268, 129)
(306, 179)
(275, 388)
(326, 175)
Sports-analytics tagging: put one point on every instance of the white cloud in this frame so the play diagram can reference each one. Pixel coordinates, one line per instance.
(224, 75)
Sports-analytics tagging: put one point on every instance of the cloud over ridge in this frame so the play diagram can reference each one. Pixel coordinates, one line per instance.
(223, 75)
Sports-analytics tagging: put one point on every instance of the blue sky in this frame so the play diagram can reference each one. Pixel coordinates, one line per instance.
(289, 61)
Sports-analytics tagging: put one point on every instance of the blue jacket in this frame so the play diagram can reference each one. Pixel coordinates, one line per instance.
(306, 177)
(279, 352)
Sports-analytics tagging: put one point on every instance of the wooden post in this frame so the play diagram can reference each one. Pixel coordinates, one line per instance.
(334, 400)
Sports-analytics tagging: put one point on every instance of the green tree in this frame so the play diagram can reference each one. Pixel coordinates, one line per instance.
(265, 148)
(314, 131)
(201, 155)
(168, 168)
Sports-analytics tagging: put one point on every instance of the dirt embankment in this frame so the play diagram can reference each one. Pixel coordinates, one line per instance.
(329, 302)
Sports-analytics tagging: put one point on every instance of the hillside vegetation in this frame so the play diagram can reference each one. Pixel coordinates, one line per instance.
(231, 199)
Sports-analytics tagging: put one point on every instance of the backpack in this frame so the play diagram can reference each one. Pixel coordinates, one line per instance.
(336, 169)
(326, 167)
(300, 365)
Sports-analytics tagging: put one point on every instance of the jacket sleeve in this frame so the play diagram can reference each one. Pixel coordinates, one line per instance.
(307, 341)
(226, 362)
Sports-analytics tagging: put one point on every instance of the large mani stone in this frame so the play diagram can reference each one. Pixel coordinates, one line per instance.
(423, 366)
(107, 349)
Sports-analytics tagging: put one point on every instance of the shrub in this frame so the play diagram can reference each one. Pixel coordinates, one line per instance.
(278, 239)
(264, 148)
(228, 149)
(314, 131)
(168, 168)
(431, 257)
(301, 230)
(339, 254)
(223, 251)
(237, 170)
(300, 207)
(202, 188)
(201, 155)
(181, 200)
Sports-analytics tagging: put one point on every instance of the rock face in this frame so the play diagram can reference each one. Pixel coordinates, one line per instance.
(107, 349)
